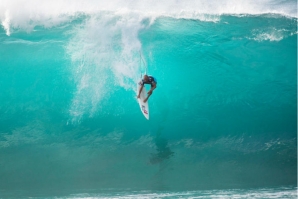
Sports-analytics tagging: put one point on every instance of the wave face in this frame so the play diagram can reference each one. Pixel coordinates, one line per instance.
(224, 114)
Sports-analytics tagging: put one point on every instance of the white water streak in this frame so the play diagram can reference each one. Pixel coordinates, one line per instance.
(105, 55)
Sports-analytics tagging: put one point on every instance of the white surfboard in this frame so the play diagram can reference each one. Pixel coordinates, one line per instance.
(144, 106)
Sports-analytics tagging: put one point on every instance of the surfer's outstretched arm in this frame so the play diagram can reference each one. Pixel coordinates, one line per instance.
(150, 92)
(153, 86)
(145, 100)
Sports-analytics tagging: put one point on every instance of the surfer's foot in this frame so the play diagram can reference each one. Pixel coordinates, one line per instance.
(145, 100)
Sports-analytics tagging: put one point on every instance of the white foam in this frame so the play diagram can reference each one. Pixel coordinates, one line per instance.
(105, 56)
(271, 34)
(6, 23)
(282, 192)
(25, 14)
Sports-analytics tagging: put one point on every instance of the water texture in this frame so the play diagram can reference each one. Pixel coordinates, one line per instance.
(223, 116)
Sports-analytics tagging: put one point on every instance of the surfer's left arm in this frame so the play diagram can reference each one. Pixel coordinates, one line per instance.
(153, 86)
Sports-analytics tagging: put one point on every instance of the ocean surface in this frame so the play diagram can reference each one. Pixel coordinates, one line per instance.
(223, 118)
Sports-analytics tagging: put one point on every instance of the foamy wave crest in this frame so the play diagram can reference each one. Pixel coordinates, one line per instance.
(105, 55)
(26, 14)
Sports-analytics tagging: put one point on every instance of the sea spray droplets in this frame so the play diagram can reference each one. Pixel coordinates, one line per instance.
(105, 55)
(125, 67)
(6, 23)
(271, 34)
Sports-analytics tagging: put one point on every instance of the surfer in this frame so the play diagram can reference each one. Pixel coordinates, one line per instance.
(147, 79)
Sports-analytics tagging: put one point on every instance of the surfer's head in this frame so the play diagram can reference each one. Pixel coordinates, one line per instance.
(146, 77)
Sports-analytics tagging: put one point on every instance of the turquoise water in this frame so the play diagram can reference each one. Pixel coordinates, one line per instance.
(223, 119)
